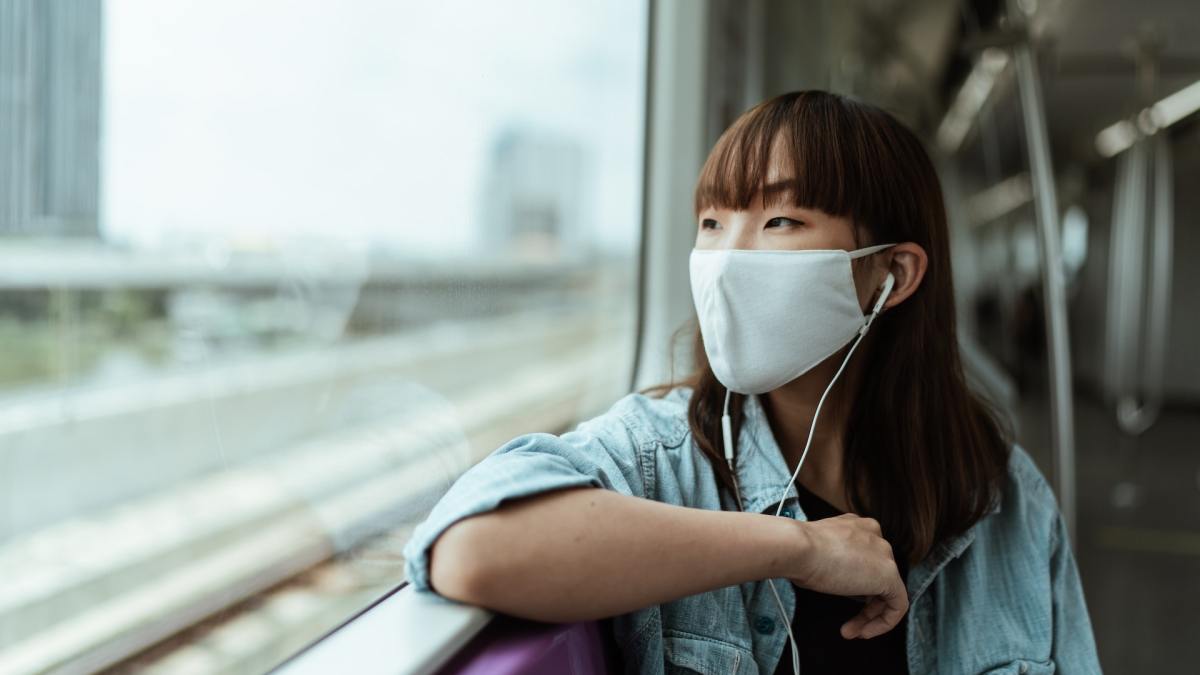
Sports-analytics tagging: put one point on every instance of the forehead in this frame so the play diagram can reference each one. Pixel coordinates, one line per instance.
(779, 181)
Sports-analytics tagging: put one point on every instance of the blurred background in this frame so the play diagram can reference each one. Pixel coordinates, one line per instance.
(272, 274)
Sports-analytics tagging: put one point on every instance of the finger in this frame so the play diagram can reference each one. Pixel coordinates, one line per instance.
(876, 627)
(892, 610)
(854, 627)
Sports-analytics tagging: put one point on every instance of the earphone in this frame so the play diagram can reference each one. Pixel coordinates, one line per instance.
(884, 291)
(727, 439)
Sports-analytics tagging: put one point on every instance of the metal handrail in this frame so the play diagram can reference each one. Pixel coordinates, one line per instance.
(1136, 349)
(1160, 281)
(1053, 282)
(1126, 272)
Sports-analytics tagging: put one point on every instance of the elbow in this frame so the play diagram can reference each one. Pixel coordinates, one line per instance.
(458, 569)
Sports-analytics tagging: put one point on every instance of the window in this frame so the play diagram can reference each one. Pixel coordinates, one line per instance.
(272, 275)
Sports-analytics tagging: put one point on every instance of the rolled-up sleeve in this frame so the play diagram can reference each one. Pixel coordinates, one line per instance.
(600, 453)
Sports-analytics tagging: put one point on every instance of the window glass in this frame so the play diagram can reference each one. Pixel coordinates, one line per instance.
(272, 274)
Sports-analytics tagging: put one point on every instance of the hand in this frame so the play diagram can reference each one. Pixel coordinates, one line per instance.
(848, 556)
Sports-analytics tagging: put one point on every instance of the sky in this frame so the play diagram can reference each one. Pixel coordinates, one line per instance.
(367, 119)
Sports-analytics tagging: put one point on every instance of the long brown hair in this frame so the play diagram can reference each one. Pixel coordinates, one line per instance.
(923, 454)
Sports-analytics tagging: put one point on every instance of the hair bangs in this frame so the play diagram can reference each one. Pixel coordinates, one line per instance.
(818, 148)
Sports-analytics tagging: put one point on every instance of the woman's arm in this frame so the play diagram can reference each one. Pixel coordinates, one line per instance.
(589, 553)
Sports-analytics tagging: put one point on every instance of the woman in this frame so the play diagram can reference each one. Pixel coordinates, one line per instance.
(916, 538)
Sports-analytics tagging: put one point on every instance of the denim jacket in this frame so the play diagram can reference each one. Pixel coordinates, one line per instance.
(1004, 597)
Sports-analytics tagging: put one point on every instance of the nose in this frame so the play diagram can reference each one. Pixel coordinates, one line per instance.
(737, 233)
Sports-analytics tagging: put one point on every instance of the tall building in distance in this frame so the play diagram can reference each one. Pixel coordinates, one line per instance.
(50, 100)
(533, 196)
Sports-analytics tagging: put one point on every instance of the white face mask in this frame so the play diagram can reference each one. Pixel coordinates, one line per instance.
(768, 316)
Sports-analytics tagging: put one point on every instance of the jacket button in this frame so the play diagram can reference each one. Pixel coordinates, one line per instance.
(1024, 668)
(764, 624)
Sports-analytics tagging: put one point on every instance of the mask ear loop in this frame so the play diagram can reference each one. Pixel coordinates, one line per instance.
(727, 442)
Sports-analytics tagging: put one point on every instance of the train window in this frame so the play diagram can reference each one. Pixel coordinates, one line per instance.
(271, 275)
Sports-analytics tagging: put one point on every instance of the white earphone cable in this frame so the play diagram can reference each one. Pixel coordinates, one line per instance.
(812, 428)
(727, 438)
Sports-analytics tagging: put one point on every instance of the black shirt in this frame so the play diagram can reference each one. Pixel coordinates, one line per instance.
(818, 623)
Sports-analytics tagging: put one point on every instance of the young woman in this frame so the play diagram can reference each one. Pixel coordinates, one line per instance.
(915, 539)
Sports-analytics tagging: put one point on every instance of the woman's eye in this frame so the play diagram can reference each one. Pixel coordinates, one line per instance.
(779, 221)
(709, 224)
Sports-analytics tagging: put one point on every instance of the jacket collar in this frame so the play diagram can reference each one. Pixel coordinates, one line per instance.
(762, 473)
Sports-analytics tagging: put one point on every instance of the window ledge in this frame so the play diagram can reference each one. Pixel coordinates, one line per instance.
(404, 633)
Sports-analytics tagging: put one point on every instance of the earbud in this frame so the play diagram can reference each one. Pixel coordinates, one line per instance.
(884, 291)
(888, 284)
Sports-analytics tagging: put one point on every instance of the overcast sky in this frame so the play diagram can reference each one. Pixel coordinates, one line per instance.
(366, 119)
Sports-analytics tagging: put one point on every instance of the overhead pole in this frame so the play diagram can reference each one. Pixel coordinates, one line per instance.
(1045, 199)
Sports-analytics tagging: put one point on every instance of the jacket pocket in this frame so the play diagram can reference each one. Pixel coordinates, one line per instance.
(693, 654)
(1024, 667)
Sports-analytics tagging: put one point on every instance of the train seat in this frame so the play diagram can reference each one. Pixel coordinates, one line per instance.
(511, 646)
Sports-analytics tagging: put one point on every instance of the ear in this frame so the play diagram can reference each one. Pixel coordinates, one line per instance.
(907, 263)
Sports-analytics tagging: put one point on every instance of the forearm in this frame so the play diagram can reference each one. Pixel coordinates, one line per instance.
(591, 553)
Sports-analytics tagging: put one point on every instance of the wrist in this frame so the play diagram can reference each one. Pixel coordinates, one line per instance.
(789, 544)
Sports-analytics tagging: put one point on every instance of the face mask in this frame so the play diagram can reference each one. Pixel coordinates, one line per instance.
(767, 316)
